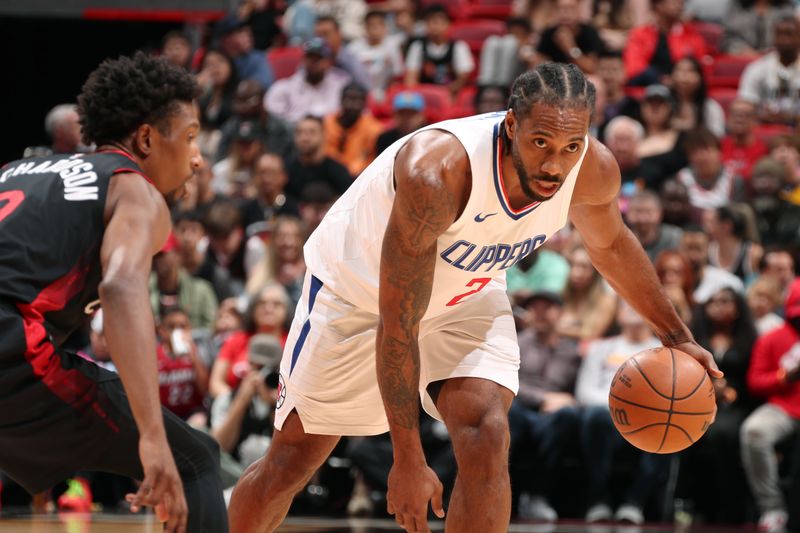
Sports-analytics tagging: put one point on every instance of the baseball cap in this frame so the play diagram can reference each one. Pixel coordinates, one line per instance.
(247, 131)
(657, 90)
(265, 350)
(549, 296)
(318, 47)
(228, 24)
(408, 100)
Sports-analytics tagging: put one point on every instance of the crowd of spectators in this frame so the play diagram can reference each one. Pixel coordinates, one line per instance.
(699, 108)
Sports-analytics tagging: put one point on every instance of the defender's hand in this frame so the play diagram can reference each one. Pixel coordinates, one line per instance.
(162, 487)
(410, 490)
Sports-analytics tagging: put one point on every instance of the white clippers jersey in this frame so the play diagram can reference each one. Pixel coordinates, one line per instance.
(344, 251)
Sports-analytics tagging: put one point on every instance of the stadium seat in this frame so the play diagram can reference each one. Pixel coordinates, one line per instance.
(285, 61)
(725, 70)
(723, 95)
(711, 33)
(490, 9)
(475, 32)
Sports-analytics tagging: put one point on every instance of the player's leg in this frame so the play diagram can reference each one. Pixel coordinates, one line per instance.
(264, 493)
(476, 414)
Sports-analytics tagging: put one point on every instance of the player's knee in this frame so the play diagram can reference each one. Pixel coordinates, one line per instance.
(487, 439)
(203, 457)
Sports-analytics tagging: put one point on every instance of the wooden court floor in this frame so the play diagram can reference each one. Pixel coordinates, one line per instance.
(75, 523)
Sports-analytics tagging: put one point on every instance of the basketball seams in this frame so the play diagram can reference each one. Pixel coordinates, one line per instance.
(658, 409)
(647, 380)
(697, 387)
(671, 401)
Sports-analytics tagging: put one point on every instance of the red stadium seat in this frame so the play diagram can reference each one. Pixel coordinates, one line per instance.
(285, 61)
(475, 32)
(490, 9)
(711, 33)
(725, 70)
(724, 95)
(466, 98)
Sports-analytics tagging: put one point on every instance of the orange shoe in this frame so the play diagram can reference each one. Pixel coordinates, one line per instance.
(77, 498)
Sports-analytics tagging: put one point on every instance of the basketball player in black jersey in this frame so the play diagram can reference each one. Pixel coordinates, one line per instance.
(77, 231)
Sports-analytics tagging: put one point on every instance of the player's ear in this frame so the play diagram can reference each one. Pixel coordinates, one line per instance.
(510, 123)
(143, 139)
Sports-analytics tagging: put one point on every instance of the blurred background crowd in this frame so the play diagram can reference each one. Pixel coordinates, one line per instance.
(697, 100)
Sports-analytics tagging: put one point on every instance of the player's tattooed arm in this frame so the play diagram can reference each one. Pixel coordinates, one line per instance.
(425, 206)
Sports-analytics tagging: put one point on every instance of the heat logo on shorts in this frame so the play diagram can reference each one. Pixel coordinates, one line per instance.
(465, 255)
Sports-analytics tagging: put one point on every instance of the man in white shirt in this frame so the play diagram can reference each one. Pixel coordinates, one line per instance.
(379, 54)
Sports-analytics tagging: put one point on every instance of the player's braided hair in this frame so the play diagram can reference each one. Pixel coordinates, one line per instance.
(124, 93)
(557, 84)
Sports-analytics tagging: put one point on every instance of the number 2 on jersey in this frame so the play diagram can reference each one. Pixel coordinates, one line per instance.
(12, 199)
(480, 282)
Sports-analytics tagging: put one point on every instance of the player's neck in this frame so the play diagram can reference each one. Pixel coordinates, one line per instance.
(508, 175)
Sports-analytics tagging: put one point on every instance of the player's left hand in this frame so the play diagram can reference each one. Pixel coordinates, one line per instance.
(702, 355)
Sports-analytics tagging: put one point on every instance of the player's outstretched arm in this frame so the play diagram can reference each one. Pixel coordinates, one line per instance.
(137, 223)
(428, 172)
(618, 256)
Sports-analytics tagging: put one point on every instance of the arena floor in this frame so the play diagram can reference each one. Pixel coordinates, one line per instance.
(119, 524)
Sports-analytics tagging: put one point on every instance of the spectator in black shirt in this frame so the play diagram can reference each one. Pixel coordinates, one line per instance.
(311, 164)
(191, 237)
(269, 182)
(570, 40)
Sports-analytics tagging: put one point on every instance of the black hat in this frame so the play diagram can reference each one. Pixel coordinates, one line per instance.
(656, 91)
(550, 296)
(247, 131)
(228, 24)
(317, 47)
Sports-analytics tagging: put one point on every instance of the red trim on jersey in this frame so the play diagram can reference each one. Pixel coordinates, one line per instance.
(71, 386)
(121, 170)
(499, 164)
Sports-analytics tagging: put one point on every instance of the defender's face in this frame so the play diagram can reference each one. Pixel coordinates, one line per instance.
(545, 145)
(175, 155)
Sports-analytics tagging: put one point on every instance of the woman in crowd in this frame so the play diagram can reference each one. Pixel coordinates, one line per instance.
(693, 107)
(730, 248)
(284, 262)
(268, 312)
(218, 80)
(589, 304)
(662, 146)
(676, 275)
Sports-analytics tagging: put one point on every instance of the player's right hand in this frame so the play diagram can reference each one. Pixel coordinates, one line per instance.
(162, 487)
(410, 490)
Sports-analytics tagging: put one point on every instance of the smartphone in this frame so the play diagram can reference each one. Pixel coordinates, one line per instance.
(179, 344)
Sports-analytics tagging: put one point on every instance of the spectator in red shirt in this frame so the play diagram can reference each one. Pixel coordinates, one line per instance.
(774, 374)
(652, 49)
(741, 148)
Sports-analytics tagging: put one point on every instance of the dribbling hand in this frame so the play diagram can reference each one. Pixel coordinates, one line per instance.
(162, 487)
(702, 355)
(410, 490)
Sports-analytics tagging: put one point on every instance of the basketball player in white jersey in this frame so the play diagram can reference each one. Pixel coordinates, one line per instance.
(405, 300)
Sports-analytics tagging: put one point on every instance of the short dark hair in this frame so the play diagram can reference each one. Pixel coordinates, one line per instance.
(522, 22)
(175, 34)
(192, 215)
(167, 310)
(354, 86)
(728, 214)
(605, 53)
(313, 118)
(124, 93)
(435, 9)
(558, 84)
(222, 219)
(374, 13)
(489, 87)
(700, 138)
(327, 18)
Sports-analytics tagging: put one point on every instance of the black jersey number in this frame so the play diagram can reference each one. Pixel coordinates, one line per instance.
(9, 201)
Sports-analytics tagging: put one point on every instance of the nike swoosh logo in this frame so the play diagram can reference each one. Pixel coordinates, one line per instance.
(479, 218)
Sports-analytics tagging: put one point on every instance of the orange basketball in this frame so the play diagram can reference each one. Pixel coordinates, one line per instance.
(662, 400)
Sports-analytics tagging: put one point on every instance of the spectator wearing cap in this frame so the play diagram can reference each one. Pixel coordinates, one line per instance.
(236, 41)
(312, 164)
(314, 89)
(540, 425)
(652, 49)
(351, 134)
(778, 219)
(710, 183)
(436, 58)
(327, 29)
(570, 40)
(408, 115)
(741, 148)
(379, 54)
(772, 82)
(661, 148)
(774, 375)
(271, 200)
(171, 286)
(241, 418)
(232, 175)
(248, 106)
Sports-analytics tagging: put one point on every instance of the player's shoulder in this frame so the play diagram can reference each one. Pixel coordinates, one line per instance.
(599, 178)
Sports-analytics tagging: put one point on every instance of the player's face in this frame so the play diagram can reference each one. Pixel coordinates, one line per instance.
(545, 145)
(175, 156)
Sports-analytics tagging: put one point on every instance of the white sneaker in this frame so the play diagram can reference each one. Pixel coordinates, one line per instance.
(598, 513)
(630, 514)
(773, 521)
(536, 508)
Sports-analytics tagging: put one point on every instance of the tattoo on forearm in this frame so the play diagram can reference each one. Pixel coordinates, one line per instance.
(399, 377)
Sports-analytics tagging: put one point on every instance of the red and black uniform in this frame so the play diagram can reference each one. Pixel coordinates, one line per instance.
(60, 413)
(177, 384)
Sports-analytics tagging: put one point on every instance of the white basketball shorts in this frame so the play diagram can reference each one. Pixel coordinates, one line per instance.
(328, 370)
